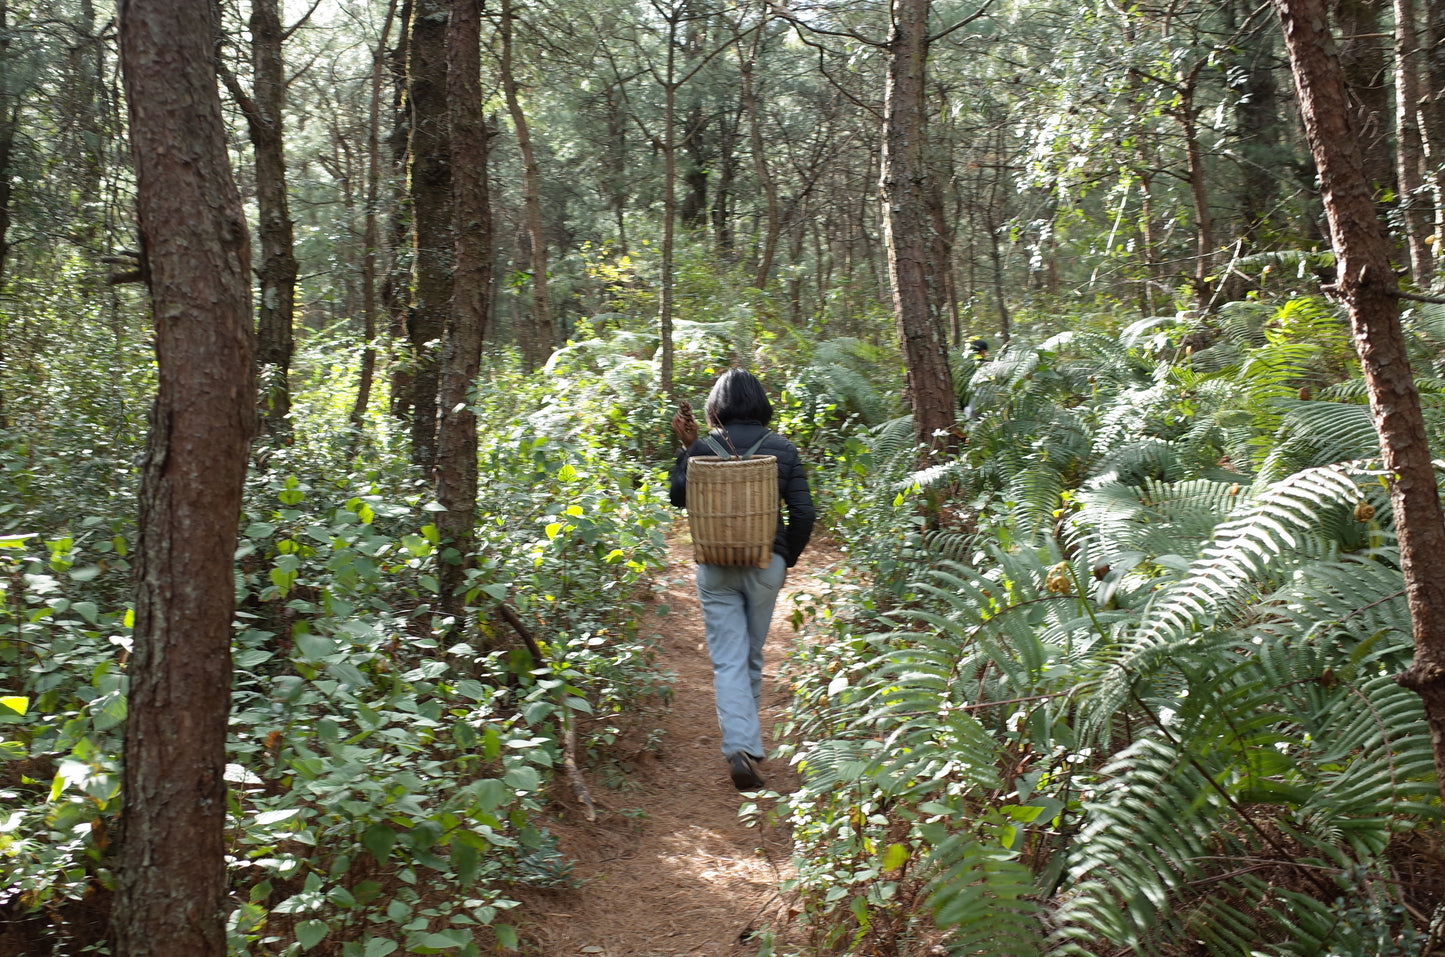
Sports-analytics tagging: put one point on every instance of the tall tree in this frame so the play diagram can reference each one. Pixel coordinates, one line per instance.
(456, 471)
(906, 223)
(1432, 110)
(172, 883)
(264, 109)
(1410, 144)
(371, 233)
(431, 201)
(1361, 53)
(537, 339)
(1366, 284)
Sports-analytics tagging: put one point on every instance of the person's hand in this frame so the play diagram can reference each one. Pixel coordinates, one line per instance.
(685, 426)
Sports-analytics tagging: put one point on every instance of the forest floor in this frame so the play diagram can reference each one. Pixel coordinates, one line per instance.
(670, 868)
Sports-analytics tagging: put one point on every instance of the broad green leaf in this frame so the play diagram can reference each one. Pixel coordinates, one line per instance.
(379, 840)
(314, 646)
(309, 933)
(380, 946)
(110, 712)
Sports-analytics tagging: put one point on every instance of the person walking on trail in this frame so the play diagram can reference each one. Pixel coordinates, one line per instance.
(737, 602)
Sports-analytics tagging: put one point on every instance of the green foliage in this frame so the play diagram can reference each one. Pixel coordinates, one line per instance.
(1131, 689)
(387, 765)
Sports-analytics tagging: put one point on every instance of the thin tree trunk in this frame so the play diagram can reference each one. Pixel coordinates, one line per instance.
(396, 285)
(1203, 219)
(761, 170)
(905, 221)
(1432, 109)
(1409, 145)
(669, 212)
(456, 464)
(371, 233)
(1257, 119)
(1362, 58)
(9, 114)
(538, 342)
(431, 198)
(1366, 284)
(171, 888)
(275, 341)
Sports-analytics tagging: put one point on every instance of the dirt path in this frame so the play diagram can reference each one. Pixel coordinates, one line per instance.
(669, 869)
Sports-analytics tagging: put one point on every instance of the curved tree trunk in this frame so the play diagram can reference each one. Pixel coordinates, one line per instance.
(538, 340)
(171, 891)
(1366, 284)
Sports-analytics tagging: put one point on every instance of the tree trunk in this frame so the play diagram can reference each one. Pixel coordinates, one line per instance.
(1257, 123)
(1362, 58)
(171, 888)
(1203, 218)
(1410, 146)
(905, 220)
(669, 213)
(371, 234)
(693, 206)
(538, 341)
(456, 471)
(772, 222)
(431, 199)
(275, 341)
(1432, 109)
(1366, 284)
(396, 285)
(9, 115)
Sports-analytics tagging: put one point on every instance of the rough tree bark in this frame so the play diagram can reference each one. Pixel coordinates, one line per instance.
(431, 199)
(906, 223)
(456, 471)
(1366, 284)
(171, 889)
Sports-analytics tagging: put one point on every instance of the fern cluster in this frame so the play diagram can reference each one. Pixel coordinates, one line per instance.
(1135, 689)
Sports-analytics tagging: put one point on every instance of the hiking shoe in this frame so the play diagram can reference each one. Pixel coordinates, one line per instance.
(743, 768)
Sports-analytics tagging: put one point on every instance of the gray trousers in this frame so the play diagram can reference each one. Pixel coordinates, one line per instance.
(737, 607)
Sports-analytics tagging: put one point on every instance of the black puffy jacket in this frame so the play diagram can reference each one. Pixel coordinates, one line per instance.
(795, 525)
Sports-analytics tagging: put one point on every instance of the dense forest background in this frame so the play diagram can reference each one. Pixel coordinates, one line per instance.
(1113, 665)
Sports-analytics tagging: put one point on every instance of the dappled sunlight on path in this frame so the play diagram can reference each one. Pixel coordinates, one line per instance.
(669, 869)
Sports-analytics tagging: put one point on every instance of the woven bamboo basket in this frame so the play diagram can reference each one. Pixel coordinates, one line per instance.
(732, 509)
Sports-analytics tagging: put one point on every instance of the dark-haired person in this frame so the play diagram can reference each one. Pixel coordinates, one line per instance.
(737, 602)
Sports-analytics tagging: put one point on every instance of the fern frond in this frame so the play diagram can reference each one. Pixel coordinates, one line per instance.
(985, 898)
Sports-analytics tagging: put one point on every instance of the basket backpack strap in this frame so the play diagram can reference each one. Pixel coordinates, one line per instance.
(723, 453)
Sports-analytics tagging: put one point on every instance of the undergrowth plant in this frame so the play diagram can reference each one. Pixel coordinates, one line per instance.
(1132, 686)
(388, 766)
